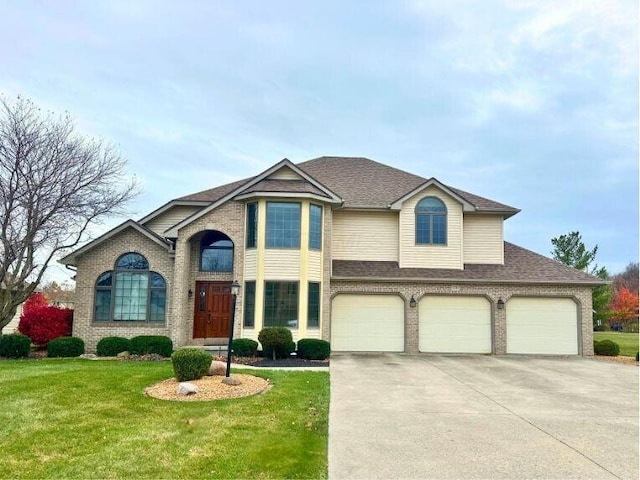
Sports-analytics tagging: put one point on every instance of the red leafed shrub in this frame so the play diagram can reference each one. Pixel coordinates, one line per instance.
(42, 323)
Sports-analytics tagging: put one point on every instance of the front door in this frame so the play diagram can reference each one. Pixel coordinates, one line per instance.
(212, 310)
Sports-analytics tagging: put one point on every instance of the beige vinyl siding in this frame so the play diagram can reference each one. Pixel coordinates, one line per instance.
(364, 236)
(168, 219)
(285, 173)
(483, 239)
(314, 272)
(250, 264)
(431, 256)
(281, 264)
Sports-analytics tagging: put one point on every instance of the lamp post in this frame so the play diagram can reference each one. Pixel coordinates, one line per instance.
(235, 290)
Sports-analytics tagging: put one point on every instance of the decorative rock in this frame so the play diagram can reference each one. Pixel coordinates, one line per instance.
(186, 388)
(88, 355)
(217, 368)
(124, 354)
(231, 381)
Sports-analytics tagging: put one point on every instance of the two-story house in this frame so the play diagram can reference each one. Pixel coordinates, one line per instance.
(367, 256)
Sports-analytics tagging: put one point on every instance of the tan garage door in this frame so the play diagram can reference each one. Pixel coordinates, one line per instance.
(454, 324)
(367, 323)
(542, 326)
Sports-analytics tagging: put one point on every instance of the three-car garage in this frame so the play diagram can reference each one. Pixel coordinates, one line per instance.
(454, 324)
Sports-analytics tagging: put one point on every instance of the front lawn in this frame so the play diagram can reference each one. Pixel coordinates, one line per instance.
(89, 419)
(628, 342)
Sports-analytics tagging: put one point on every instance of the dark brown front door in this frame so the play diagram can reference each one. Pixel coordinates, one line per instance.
(212, 309)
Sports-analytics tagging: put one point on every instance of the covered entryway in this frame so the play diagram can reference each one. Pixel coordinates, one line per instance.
(454, 324)
(212, 310)
(367, 323)
(542, 326)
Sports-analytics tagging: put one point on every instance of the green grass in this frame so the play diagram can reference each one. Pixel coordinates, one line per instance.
(628, 342)
(89, 419)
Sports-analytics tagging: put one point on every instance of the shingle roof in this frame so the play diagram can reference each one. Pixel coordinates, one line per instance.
(520, 266)
(289, 186)
(360, 182)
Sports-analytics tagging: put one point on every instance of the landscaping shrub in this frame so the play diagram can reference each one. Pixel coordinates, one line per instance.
(112, 346)
(14, 346)
(244, 347)
(65, 347)
(146, 344)
(606, 347)
(277, 342)
(601, 328)
(42, 323)
(313, 349)
(190, 364)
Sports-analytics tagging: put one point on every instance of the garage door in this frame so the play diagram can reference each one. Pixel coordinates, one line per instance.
(367, 323)
(542, 326)
(454, 324)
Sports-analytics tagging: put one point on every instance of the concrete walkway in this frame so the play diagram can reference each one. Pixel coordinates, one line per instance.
(479, 417)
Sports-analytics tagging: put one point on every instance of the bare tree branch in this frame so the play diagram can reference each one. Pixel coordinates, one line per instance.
(54, 184)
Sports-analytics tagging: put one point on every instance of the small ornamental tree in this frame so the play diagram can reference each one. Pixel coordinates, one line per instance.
(36, 300)
(624, 306)
(42, 323)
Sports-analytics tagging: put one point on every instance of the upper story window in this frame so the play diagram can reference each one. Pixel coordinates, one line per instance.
(130, 292)
(216, 253)
(283, 225)
(315, 227)
(431, 222)
(252, 225)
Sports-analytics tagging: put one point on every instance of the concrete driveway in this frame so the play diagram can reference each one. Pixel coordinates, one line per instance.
(475, 417)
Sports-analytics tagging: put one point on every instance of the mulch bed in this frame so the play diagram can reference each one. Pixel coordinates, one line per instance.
(270, 363)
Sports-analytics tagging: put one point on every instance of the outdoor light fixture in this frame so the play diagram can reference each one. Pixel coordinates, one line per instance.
(412, 302)
(190, 293)
(235, 290)
(500, 304)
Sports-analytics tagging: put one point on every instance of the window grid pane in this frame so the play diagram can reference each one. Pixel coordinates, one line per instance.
(281, 304)
(423, 229)
(157, 305)
(439, 229)
(249, 303)
(283, 225)
(313, 309)
(103, 305)
(315, 227)
(216, 260)
(252, 224)
(132, 261)
(130, 302)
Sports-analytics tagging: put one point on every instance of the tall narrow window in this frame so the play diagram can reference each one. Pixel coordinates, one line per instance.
(281, 304)
(252, 225)
(313, 305)
(283, 225)
(130, 292)
(249, 304)
(431, 222)
(216, 253)
(315, 227)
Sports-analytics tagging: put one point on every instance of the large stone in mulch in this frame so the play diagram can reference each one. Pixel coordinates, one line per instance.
(217, 368)
(186, 388)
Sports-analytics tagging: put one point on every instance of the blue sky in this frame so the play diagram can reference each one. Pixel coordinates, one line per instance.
(530, 103)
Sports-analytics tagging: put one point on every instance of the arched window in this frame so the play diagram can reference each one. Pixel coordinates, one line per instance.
(130, 292)
(216, 253)
(431, 222)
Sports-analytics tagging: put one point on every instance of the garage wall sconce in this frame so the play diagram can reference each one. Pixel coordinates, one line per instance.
(412, 302)
(500, 304)
(190, 293)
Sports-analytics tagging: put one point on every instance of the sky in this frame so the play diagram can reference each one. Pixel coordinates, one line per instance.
(530, 103)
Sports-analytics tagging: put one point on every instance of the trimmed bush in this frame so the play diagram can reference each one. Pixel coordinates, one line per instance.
(313, 349)
(606, 347)
(190, 364)
(244, 347)
(14, 346)
(65, 347)
(146, 344)
(112, 346)
(277, 342)
(601, 328)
